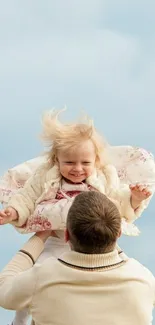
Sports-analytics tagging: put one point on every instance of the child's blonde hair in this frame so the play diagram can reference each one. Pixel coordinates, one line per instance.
(59, 136)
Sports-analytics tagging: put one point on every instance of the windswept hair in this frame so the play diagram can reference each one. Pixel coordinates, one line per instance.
(59, 136)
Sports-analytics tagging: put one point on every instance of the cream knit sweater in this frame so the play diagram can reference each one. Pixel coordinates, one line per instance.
(78, 289)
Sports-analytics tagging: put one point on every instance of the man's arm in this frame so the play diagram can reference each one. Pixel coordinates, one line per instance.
(18, 278)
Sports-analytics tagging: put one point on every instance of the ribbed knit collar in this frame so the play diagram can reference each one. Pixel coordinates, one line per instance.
(91, 261)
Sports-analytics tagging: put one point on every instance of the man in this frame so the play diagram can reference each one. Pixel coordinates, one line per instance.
(92, 284)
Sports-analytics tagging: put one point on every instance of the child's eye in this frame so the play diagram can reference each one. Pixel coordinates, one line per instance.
(68, 162)
(86, 162)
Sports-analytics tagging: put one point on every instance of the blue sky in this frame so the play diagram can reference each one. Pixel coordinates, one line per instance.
(87, 54)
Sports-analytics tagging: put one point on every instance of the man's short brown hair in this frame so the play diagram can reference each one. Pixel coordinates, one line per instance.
(93, 223)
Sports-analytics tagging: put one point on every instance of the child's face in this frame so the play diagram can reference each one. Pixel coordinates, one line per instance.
(76, 165)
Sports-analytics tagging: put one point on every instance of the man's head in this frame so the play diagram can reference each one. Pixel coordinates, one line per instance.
(93, 224)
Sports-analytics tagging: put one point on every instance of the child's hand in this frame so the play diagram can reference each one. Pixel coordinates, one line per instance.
(140, 192)
(7, 215)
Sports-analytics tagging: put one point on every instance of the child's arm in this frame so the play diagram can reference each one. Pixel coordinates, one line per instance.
(130, 200)
(133, 200)
(48, 215)
(22, 204)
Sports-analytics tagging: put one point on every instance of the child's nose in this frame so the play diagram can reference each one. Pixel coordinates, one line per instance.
(78, 167)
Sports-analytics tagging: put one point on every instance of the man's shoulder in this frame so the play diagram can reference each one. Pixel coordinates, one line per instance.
(130, 269)
(139, 269)
(48, 266)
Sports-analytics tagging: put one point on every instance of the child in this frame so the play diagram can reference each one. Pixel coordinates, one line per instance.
(77, 161)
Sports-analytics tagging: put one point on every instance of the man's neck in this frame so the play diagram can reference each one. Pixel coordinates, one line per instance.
(95, 251)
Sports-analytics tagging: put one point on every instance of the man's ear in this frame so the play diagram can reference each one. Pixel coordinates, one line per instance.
(66, 235)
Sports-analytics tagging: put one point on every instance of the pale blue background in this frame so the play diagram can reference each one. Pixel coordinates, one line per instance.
(88, 54)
